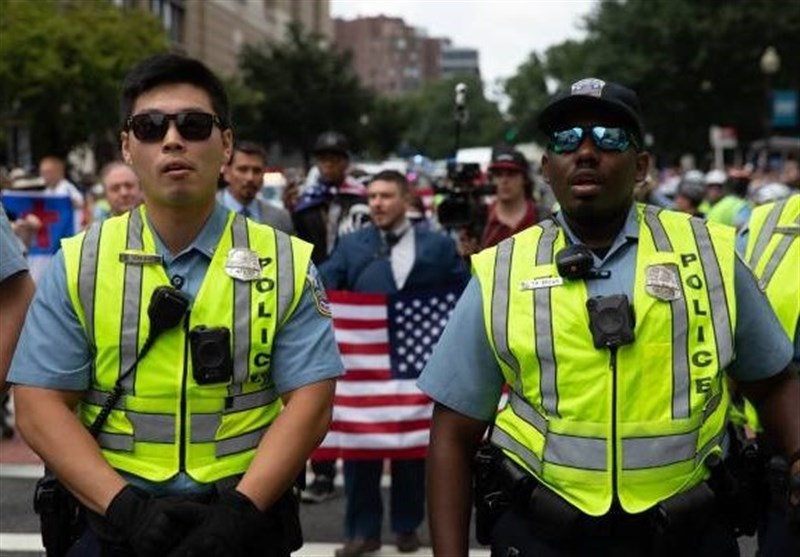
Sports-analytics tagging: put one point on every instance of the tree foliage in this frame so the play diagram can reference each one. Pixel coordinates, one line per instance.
(432, 128)
(693, 64)
(528, 92)
(292, 91)
(61, 66)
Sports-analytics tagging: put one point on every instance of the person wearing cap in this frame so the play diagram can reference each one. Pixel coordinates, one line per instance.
(333, 205)
(244, 176)
(725, 197)
(178, 362)
(513, 209)
(690, 195)
(610, 326)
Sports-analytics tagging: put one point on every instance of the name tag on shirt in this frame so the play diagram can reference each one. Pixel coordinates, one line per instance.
(140, 258)
(544, 282)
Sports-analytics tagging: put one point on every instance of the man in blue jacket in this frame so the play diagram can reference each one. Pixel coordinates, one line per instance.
(388, 257)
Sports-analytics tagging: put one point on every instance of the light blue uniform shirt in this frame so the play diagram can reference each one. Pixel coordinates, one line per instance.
(11, 259)
(463, 373)
(304, 350)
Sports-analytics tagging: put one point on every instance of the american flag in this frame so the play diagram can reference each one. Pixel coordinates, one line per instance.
(385, 341)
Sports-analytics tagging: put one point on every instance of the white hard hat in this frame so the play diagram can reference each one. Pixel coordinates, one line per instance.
(774, 191)
(716, 176)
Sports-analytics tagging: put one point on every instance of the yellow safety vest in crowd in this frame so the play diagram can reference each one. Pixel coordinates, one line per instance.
(166, 423)
(773, 253)
(644, 431)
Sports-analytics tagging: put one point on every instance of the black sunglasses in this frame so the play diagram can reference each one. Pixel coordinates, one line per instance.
(605, 138)
(150, 127)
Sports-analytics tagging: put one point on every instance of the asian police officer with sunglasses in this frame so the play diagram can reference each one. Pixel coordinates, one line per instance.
(211, 420)
(611, 325)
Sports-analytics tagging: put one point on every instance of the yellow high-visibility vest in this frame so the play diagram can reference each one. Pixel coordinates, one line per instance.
(166, 423)
(773, 253)
(643, 432)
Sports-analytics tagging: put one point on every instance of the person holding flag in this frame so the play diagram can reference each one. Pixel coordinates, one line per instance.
(390, 257)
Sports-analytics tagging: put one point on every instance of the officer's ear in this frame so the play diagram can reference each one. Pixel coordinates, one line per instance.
(545, 167)
(642, 165)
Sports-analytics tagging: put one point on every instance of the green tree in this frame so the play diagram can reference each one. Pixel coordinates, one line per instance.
(693, 63)
(292, 91)
(432, 129)
(527, 91)
(61, 65)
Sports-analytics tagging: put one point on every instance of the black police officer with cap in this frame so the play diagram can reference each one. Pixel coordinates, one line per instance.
(617, 399)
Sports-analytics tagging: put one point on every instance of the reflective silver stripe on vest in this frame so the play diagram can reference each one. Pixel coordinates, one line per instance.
(98, 398)
(543, 319)
(766, 233)
(527, 412)
(777, 257)
(652, 452)
(681, 381)
(713, 404)
(242, 317)
(716, 294)
(152, 428)
(500, 301)
(87, 277)
(114, 442)
(204, 427)
(283, 247)
(714, 442)
(587, 453)
(505, 441)
(241, 443)
(131, 304)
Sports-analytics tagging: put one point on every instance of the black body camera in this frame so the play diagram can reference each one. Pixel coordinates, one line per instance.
(611, 321)
(211, 355)
(575, 262)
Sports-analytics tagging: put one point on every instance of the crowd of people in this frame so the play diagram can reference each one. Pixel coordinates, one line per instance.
(624, 324)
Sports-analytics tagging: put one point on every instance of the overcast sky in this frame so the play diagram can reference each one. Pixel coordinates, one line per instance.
(505, 32)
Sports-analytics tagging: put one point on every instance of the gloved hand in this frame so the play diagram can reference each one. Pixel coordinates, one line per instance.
(230, 527)
(151, 526)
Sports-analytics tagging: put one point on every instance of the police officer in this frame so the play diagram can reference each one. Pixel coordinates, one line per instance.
(204, 403)
(16, 291)
(610, 325)
(772, 249)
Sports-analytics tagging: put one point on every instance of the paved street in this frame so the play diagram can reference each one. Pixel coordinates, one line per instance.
(322, 523)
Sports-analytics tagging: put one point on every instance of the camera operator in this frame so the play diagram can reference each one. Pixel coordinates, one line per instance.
(513, 209)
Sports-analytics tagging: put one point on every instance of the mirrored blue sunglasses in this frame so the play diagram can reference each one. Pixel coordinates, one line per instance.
(605, 138)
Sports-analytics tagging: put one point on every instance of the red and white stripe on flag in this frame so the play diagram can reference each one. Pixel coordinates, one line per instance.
(375, 415)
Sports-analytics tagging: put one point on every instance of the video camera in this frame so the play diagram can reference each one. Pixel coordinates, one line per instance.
(463, 190)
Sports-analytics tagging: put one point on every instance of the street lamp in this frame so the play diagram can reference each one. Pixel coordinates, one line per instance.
(770, 63)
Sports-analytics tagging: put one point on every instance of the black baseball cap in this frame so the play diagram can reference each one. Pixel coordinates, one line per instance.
(508, 159)
(594, 93)
(332, 142)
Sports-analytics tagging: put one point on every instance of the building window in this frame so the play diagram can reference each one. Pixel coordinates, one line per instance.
(171, 14)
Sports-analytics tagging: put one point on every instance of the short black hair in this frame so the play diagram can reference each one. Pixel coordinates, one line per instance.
(393, 176)
(163, 69)
(249, 148)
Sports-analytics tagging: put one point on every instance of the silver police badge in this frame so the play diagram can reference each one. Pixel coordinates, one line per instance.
(242, 264)
(663, 282)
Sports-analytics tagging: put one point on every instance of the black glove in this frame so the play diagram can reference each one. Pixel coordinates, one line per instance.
(151, 526)
(232, 526)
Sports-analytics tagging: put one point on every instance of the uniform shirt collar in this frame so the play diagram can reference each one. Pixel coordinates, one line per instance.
(205, 242)
(629, 232)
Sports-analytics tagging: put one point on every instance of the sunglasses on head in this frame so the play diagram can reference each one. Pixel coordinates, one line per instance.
(605, 138)
(150, 127)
